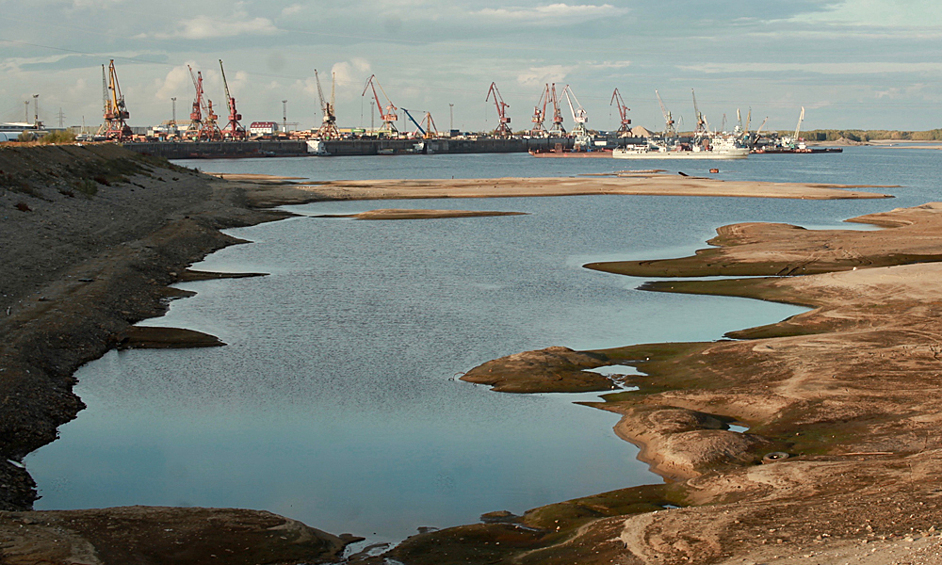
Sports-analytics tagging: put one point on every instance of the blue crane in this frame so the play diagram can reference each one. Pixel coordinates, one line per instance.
(413, 121)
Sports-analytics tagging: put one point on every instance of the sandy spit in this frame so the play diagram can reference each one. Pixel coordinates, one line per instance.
(641, 184)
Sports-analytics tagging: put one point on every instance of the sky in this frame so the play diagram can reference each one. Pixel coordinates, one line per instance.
(869, 64)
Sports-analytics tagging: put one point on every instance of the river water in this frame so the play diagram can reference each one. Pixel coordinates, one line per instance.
(336, 401)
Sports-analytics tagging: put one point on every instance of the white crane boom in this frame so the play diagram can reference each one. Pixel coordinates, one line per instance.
(801, 118)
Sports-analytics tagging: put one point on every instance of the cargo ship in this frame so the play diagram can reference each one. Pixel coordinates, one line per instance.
(579, 151)
(717, 148)
(800, 148)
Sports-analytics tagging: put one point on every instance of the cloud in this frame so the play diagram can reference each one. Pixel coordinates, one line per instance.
(879, 13)
(610, 65)
(351, 73)
(212, 27)
(309, 87)
(94, 4)
(914, 91)
(292, 10)
(538, 76)
(175, 83)
(552, 14)
(850, 68)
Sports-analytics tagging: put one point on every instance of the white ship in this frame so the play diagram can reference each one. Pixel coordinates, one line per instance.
(718, 148)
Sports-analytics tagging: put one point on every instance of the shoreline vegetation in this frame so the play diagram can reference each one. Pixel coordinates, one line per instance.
(840, 403)
(865, 136)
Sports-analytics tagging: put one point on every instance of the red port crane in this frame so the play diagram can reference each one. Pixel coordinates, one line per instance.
(502, 128)
(196, 113)
(558, 128)
(115, 111)
(202, 118)
(539, 114)
(625, 128)
(233, 129)
(388, 115)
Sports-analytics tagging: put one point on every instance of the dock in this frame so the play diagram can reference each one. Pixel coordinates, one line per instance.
(342, 147)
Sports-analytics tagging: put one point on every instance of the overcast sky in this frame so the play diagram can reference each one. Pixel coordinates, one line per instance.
(851, 64)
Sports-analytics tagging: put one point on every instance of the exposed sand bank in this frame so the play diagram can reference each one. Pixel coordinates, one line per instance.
(626, 184)
(401, 214)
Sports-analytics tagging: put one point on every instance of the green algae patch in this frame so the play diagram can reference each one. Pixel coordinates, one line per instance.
(542, 535)
(667, 366)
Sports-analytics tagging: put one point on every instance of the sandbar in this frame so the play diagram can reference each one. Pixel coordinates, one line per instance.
(407, 214)
(650, 184)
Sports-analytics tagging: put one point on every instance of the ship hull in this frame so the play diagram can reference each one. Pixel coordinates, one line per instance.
(575, 154)
(681, 155)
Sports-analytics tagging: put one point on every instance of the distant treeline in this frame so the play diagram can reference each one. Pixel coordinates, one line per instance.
(869, 135)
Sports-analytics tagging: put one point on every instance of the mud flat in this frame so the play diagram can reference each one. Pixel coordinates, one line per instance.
(839, 457)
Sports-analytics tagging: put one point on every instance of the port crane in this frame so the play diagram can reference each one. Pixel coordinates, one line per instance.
(233, 129)
(430, 129)
(539, 114)
(624, 130)
(670, 130)
(419, 128)
(702, 126)
(388, 115)
(196, 113)
(502, 120)
(202, 118)
(328, 129)
(426, 128)
(579, 116)
(801, 118)
(115, 111)
(558, 128)
(754, 138)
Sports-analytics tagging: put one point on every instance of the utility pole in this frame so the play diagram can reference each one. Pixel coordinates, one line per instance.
(284, 115)
(36, 110)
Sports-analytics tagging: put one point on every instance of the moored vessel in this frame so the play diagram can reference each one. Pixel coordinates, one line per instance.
(715, 148)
